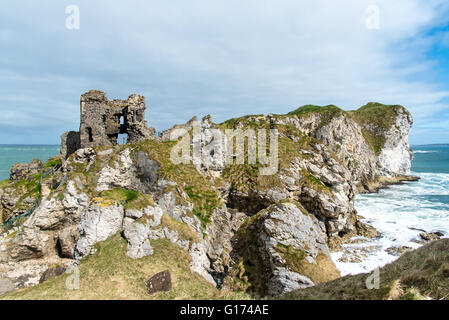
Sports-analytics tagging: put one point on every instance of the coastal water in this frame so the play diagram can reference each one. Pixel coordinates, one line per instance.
(10, 154)
(401, 212)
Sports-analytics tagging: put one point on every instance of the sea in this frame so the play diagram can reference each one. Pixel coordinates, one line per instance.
(400, 212)
(11, 154)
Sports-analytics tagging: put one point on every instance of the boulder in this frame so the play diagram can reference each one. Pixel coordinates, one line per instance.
(430, 236)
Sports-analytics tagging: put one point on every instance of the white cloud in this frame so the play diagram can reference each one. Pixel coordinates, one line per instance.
(225, 58)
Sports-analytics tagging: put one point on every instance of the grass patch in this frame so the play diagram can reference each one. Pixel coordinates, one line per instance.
(53, 162)
(111, 274)
(204, 202)
(4, 183)
(130, 199)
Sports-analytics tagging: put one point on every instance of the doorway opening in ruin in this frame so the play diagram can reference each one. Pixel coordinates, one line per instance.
(122, 138)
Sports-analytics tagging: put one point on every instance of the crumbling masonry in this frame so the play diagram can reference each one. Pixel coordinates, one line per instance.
(101, 122)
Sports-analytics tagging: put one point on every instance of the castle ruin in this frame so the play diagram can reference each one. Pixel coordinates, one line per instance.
(102, 121)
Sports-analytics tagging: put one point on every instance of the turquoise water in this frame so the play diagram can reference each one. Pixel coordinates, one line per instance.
(401, 212)
(10, 154)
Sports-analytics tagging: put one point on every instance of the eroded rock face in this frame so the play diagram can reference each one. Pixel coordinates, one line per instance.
(292, 247)
(396, 156)
(98, 223)
(137, 229)
(139, 174)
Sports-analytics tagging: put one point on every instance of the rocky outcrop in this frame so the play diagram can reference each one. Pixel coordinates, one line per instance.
(100, 221)
(22, 171)
(267, 234)
(288, 245)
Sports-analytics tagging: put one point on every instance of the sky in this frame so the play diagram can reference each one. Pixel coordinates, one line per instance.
(223, 58)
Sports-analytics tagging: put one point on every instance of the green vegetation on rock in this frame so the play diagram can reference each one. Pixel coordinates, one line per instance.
(327, 113)
(131, 199)
(375, 119)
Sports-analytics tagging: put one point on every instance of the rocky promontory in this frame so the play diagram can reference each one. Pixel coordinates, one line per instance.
(239, 231)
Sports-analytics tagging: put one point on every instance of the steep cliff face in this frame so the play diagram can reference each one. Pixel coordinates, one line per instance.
(243, 230)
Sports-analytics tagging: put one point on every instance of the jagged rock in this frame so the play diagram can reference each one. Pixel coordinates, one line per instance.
(67, 239)
(292, 247)
(366, 230)
(397, 251)
(97, 224)
(22, 171)
(200, 262)
(220, 233)
(28, 244)
(146, 169)
(137, 234)
(396, 156)
(125, 173)
(52, 272)
(284, 280)
(159, 282)
(430, 236)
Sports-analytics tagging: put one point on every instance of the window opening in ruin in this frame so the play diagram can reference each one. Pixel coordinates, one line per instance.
(122, 138)
(89, 131)
(122, 120)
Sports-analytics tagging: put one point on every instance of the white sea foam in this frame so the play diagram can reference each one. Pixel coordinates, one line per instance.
(425, 151)
(400, 213)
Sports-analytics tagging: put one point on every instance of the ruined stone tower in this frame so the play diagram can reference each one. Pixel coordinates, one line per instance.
(101, 122)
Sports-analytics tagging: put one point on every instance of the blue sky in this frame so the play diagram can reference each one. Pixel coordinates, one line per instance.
(224, 58)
